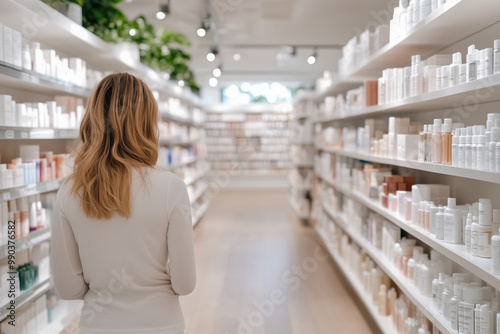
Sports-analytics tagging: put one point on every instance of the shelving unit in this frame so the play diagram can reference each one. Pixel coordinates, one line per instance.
(384, 324)
(72, 40)
(63, 320)
(451, 24)
(238, 137)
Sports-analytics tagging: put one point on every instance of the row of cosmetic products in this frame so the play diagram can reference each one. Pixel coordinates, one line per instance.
(33, 167)
(377, 286)
(244, 117)
(173, 106)
(244, 141)
(268, 133)
(360, 48)
(251, 155)
(301, 178)
(409, 13)
(66, 112)
(437, 72)
(267, 167)
(33, 266)
(28, 215)
(174, 131)
(173, 155)
(192, 171)
(248, 125)
(46, 62)
(255, 146)
(32, 318)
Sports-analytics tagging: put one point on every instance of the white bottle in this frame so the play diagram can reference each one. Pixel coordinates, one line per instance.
(485, 320)
(457, 298)
(468, 248)
(471, 64)
(437, 142)
(496, 56)
(477, 319)
(495, 254)
(445, 77)
(440, 224)
(473, 147)
(461, 147)
(481, 152)
(26, 57)
(423, 329)
(455, 69)
(495, 224)
(455, 140)
(452, 223)
(497, 157)
(468, 145)
(471, 295)
(484, 229)
(425, 8)
(488, 62)
(495, 138)
(474, 230)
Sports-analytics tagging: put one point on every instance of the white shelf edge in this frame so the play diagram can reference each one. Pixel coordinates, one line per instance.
(384, 324)
(424, 303)
(480, 267)
(59, 325)
(492, 177)
(201, 175)
(31, 189)
(27, 296)
(201, 213)
(34, 238)
(198, 194)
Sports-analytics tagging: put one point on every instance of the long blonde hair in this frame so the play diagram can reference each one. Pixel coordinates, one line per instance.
(119, 132)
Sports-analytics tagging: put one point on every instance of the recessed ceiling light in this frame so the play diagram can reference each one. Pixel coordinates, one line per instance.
(213, 82)
(237, 57)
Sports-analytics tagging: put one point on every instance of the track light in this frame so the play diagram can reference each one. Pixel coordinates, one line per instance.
(312, 58)
(217, 72)
(213, 82)
(236, 57)
(202, 30)
(212, 54)
(164, 10)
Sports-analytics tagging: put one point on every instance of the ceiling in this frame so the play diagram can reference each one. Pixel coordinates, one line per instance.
(259, 29)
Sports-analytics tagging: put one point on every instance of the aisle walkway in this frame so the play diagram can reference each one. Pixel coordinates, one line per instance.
(259, 273)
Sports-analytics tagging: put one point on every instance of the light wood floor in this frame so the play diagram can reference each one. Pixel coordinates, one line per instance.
(247, 246)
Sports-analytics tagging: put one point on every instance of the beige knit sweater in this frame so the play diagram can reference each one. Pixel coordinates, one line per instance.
(129, 272)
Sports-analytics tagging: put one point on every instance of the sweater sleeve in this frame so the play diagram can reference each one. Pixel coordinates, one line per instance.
(180, 242)
(65, 260)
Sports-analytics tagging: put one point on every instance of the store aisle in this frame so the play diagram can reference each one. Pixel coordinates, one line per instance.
(260, 272)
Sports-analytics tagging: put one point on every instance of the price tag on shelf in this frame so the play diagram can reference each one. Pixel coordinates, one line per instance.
(5, 196)
(8, 134)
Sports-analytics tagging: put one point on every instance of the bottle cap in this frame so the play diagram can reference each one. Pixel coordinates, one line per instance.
(437, 126)
(447, 125)
(457, 58)
(452, 203)
(496, 44)
(417, 59)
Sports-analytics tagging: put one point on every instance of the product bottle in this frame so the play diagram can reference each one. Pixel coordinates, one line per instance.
(495, 253)
(468, 145)
(461, 147)
(26, 57)
(497, 157)
(452, 223)
(437, 142)
(440, 224)
(495, 224)
(40, 213)
(447, 138)
(495, 138)
(439, 78)
(496, 56)
(421, 144)
(471, 64)
(24, 215)
(481, 152)
(15, 215)
(382, 301)
(477, 319)
(471, 295)
(423, 330)
(445, 77)
(416, 12)
(488, 62)
(428, 140)
(425, 8)
(468, 233)
(457, 298)
(474, 230)
(485, 320)
(473, 147)
(455, 140)
(455, 69)
(480, 59)
(33, 215)
(484, 228)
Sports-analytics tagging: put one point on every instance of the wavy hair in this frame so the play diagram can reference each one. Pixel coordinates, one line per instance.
(119, 132)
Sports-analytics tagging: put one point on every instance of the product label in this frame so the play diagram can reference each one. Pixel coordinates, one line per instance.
(484, 243)
(468, 319)
(495, 253)
(450, 229)
(454, 314)
(474, 242)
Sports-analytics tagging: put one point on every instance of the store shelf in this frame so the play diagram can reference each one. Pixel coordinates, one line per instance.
(19, 78)
(198, 194)
(180, 119)
(478, 175)
(12, 132)
(199, 176)
(423, 303)
(384, 324)
(26, 297)
(338, 86)
(480, 267)
(201, 213)
(479, 91)
(69, 38)
(32, 189)
(302, 142)
(173, 142)
(299, 214)
(65, 319)
(31, 240)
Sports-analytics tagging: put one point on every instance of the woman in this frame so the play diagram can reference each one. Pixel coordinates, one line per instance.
(122, 233)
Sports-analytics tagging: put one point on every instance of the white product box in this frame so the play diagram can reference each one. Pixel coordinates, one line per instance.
(17, 48)
(50, 62)
(7, 45)
(6, 114)
(407, 147)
